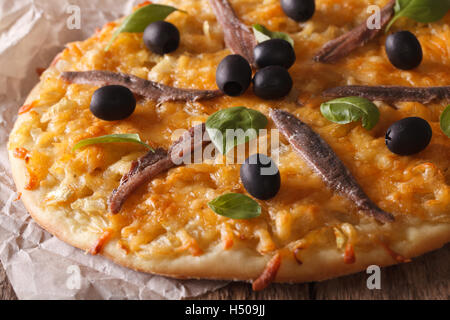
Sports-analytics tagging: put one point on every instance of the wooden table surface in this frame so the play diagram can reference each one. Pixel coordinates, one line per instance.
(427, 277)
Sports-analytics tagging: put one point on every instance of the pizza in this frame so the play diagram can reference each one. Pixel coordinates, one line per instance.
(362, 173)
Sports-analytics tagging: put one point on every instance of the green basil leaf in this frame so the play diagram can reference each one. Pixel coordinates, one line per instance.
(235, 125)
(129, 138)
(235, 206)
(445, 121)
(263, 34)
(141, 18)
(351, 109)
(424, 11)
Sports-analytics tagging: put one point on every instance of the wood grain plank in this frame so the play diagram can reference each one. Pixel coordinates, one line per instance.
(6, 290)
(243, 291)
(426, 277)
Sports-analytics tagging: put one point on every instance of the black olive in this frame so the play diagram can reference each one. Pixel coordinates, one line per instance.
(233, 75)
(408, 136)
(260, 177)
(299, 10)
(404, 50)
(272, 82)
(162, 37)
(274, 52)
(113, 103)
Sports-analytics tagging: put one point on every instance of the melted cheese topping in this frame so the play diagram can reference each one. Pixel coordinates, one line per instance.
(171, 211)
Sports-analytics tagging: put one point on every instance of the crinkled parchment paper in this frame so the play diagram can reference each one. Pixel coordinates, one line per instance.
(38, 265)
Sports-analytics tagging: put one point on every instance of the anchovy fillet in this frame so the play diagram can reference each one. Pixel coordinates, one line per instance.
(152, 164)
(238, 37)
(358, 37)
(322, 159)
(146, 88)
(392, 93)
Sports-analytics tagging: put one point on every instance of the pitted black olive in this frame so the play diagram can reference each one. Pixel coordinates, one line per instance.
(272, 82)
(113, 103)
(404, 50)
(162, 37)
(233, 75)
(408, 136)
(260, 177)
(299, 10)
(274, 52)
